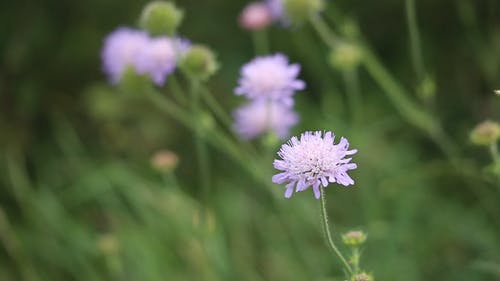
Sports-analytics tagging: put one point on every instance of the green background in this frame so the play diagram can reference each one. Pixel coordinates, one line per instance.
(79, 200)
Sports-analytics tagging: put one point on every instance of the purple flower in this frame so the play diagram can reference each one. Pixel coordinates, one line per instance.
(270, 77)
(261, 116)
(276, 8)
(159, 57)
(313, 160)
(120, 50)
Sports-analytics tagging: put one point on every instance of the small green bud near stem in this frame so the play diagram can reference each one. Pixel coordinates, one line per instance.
(362, 277)
(299, 11)
(161, 18)
(485, 133)
(199, 63)
(354, 238)
(345, 56)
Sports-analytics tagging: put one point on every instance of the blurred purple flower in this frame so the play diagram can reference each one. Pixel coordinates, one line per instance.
(260, 116)
(313, 160)
(120, 50)
(270, 77)
(276, 8)
(159, 57)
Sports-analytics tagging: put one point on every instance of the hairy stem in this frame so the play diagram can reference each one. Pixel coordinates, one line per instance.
(326, 229)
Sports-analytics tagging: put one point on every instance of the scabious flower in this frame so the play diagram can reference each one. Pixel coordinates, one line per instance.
(261, 116)
(270, 77)
(159, 57)
(255, 16)
(276, 8)
(120, 50)
(313, 160)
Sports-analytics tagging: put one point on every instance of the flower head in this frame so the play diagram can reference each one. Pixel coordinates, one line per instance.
(313, 160)
(255, 16)
(159, 57)
(120, 50)
(261, 116)
(276, 8)
(270, 77)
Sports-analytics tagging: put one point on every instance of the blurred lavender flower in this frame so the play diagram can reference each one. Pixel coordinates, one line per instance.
(261, 116)
(159, 57)
(276, 8)
(120, 50)
(313, 160)
(270, 77)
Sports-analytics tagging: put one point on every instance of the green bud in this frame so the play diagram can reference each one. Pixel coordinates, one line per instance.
(299, 11)
(362, 277)
(354, 238)
(199, 63)
(161, 18)
(133, 83)
(485, 133)
(427, 89)
(345, 56)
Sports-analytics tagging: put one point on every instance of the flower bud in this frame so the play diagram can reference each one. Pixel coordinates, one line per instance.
(485, 133)
(161, 18)
(164, 161)
(299, 11)
(497, 92)
(345, 56)
(199, 62)
(108, 244)
(354, 238)
(362, 277)
(255, 16)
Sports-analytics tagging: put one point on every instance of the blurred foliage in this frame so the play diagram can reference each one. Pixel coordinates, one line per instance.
(79, 200)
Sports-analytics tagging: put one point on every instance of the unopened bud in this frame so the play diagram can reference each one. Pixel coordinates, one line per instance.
(354, 238)
(485, 133)
(108, 244)
(299, 11)
(345, 56)
(199, 62)
(255, 16)
(161, 18)
(362, 277)
(164, 161)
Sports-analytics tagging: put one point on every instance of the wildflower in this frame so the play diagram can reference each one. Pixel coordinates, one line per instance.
(270, 77)
(161, 18)
(362, 277)
(354, 238)
(159, 57)
(276, 9)
(313, 160)
(485, 133)
(262, 116)
(120, 51)
(294, 11)
(497, 92)
(164, 161)
(255, 16)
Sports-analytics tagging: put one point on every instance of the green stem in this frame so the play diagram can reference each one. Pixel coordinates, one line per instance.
(201, 149)
(351, 81)
(415, 45)
(260, 42)
(176, 90)
(324, 32)
(326, 229)
(355, 259)
(216, 108)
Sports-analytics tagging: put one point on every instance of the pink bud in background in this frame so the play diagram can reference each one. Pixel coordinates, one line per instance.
(255, 16)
